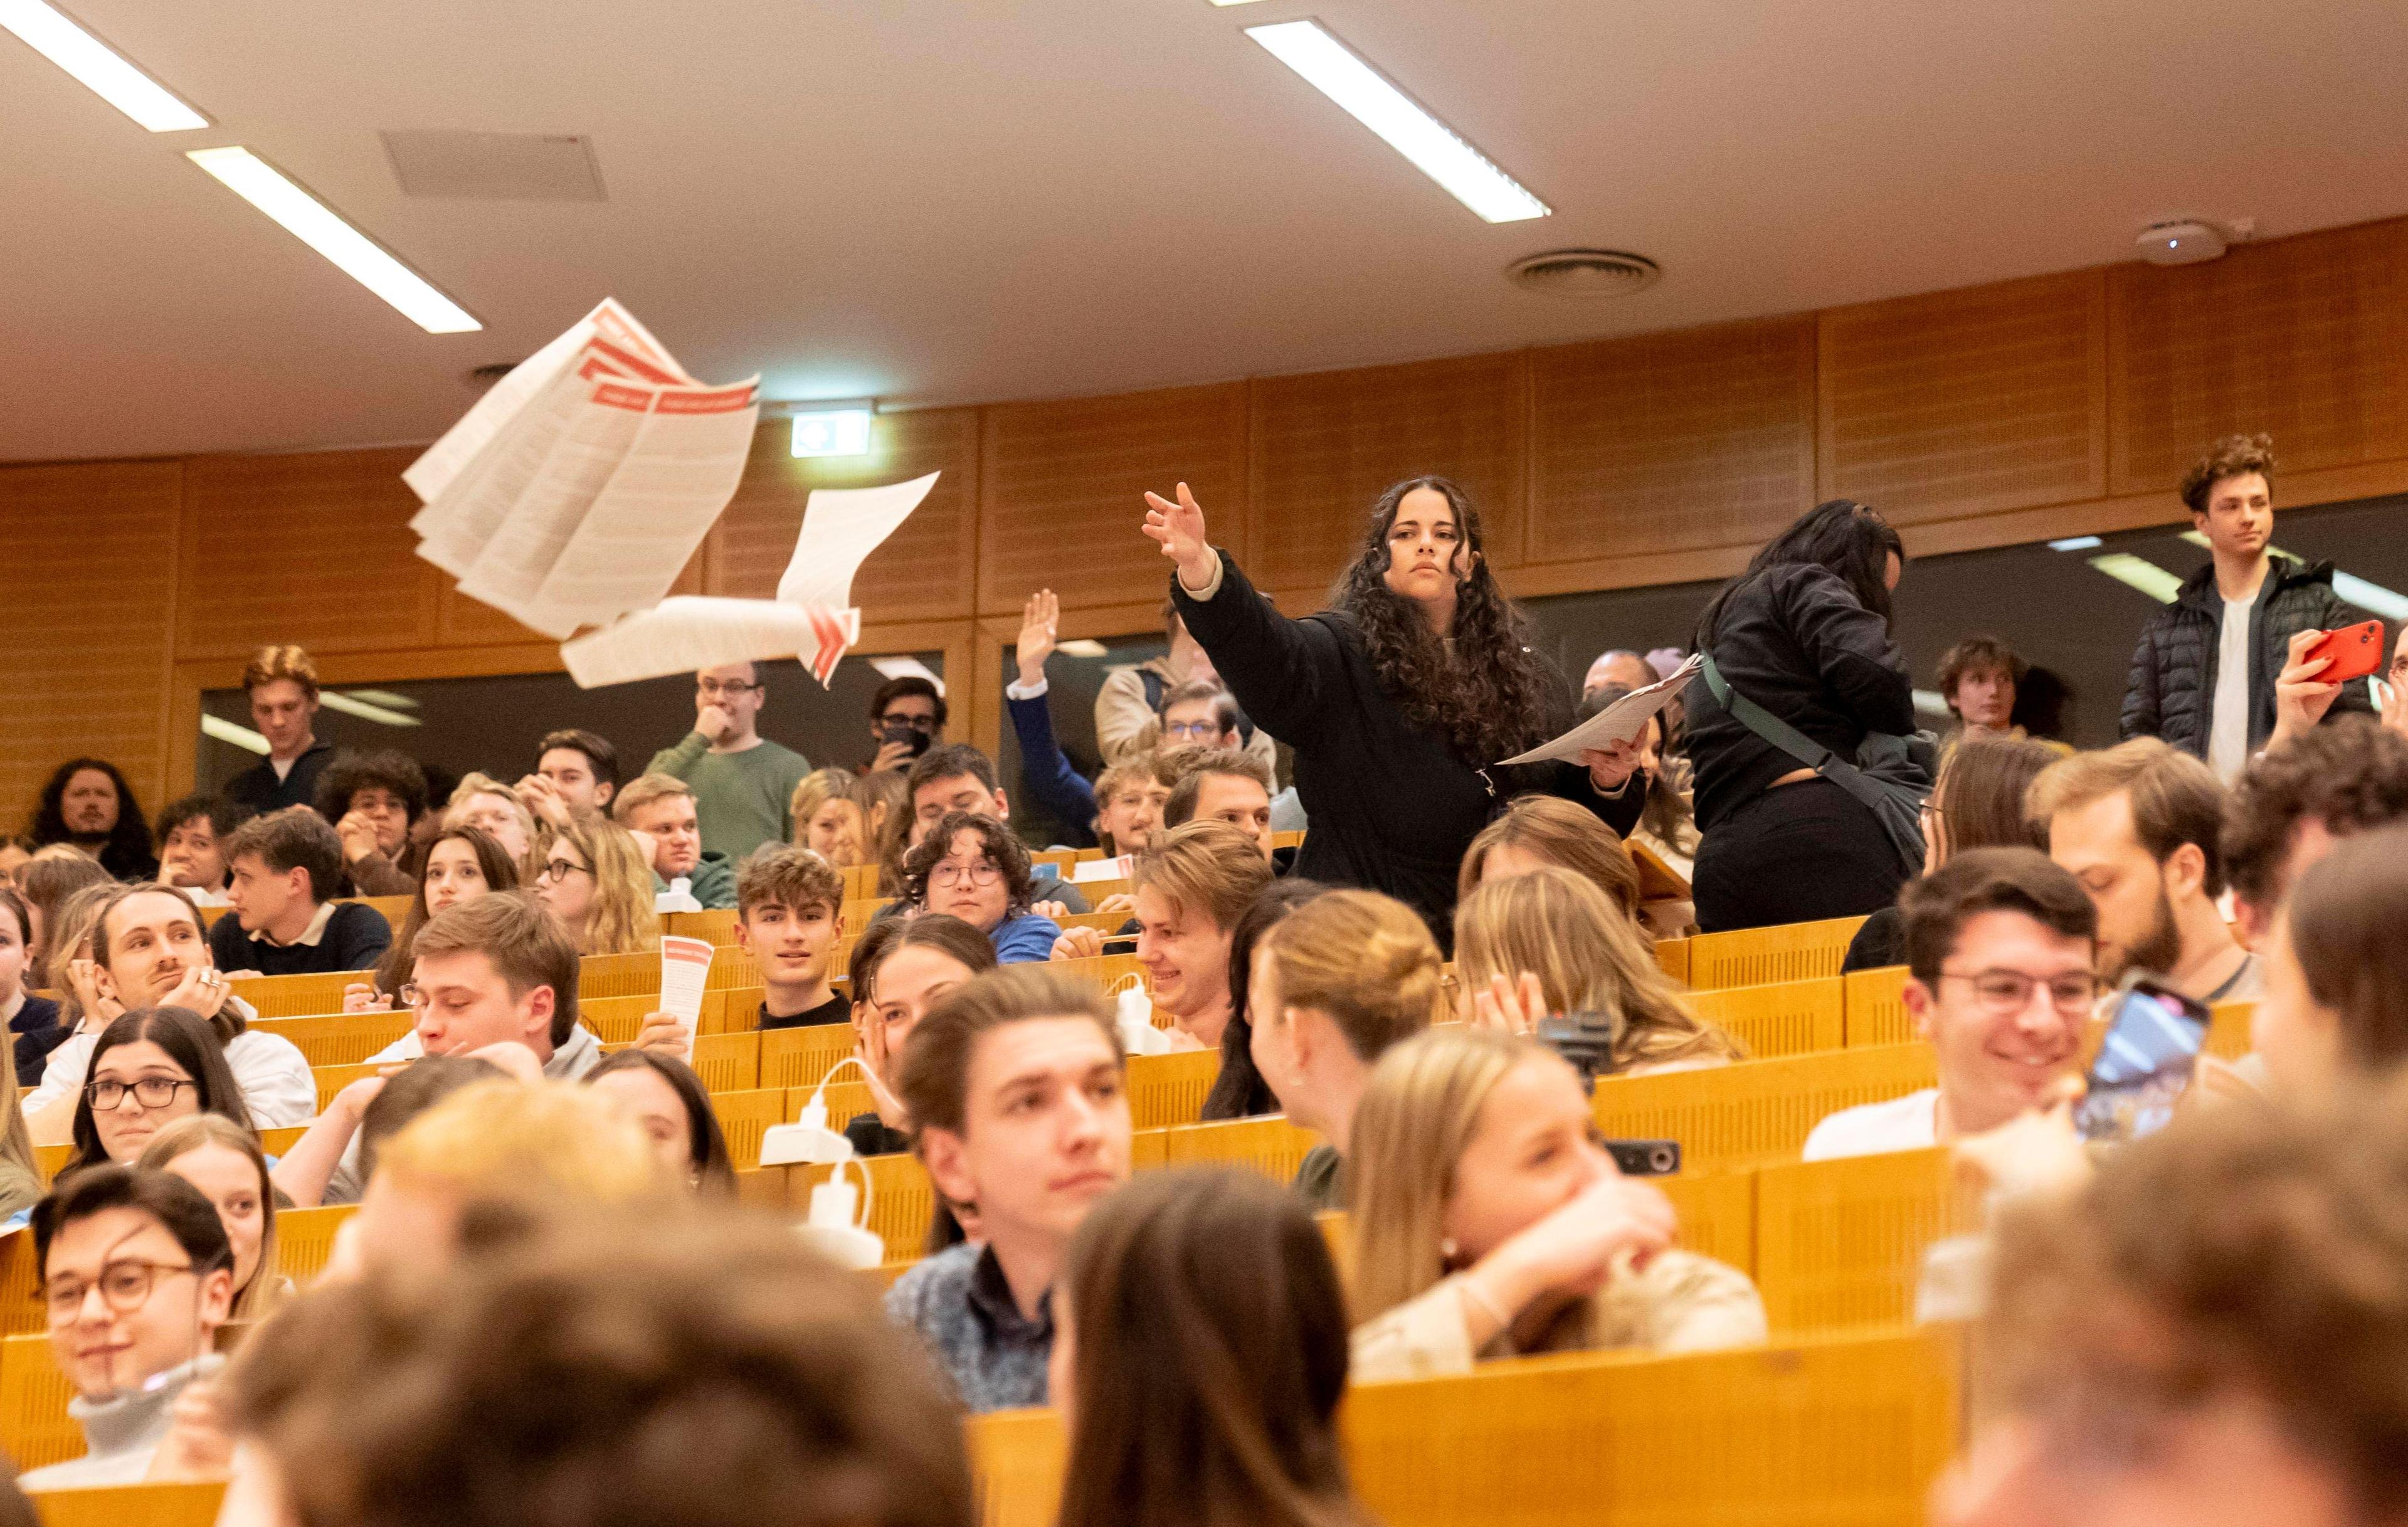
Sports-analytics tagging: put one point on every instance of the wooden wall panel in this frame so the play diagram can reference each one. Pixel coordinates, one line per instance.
(91, 554)
(1671, 442)
(315, 549)
(923, 571)
(2305, 339)
(1326, 445)
(1967, 402)
(1061, 490)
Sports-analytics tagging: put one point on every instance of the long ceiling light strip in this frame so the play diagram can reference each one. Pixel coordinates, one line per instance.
(318, 226)
(2371, 596)
(1329, 66)
(2140, 573)
(99, 67)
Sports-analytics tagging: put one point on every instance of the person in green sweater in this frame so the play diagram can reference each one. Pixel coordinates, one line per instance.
(742, 783)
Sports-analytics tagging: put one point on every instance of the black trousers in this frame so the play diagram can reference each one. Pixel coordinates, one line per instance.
(1794, 855)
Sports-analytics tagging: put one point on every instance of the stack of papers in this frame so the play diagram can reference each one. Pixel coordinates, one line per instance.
(1620, 722)
(574, 493)
(576, 490)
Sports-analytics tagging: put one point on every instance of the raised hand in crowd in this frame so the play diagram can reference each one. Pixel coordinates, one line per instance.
(2300, 700)
(1179, 530)
(1040, 623)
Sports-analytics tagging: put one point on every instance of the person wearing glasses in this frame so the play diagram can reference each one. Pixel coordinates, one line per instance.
(598, 886)
(2139, 825)
(742, 783)
(972, 867)
(137, 1277)
(2000, 947)
(907, 715)
(150, 1068)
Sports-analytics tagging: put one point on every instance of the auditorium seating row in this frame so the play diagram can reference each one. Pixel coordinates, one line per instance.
(1831, 1431)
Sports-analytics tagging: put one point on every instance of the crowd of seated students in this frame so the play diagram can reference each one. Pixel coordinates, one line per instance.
(1192, 1328)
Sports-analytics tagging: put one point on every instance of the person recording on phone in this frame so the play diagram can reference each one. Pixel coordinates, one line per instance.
(2205, 672)
(907, 716)
(2140, 827)
(137, 1277)
(2000, 944)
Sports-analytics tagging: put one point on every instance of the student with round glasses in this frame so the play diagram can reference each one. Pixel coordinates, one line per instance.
(596, 883)
(149, 1068)
(971, 867)
(137, 1277)
(2001, 944)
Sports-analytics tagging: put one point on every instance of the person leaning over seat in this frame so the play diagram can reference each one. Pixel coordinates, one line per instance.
(1420, 678)
(1488, 1221)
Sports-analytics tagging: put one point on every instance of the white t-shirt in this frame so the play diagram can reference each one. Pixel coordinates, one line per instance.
(1875, 1128)
(271, 1071)
(2228, 730)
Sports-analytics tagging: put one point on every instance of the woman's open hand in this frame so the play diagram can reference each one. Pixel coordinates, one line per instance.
(1180, 530)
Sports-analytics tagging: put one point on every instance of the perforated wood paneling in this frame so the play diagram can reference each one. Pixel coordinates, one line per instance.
(1326, 446)
(1965, 402)
(1061, 488)
(2305, 339)
(90, 553)
(315, 549)
(923, 571)
(1671, 441)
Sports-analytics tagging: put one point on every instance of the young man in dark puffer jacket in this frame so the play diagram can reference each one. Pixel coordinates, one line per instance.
(2203, 675)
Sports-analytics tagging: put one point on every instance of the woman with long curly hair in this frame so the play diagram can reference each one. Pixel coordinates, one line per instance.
(88, 804)
(1399, 698)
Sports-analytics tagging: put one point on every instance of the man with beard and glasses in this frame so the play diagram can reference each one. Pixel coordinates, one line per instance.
(2138, 825)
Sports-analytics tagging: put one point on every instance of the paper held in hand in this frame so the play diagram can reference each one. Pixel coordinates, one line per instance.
(1620, 722)
(685, 971)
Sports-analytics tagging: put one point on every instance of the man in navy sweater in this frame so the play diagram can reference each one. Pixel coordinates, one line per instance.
(281, 868)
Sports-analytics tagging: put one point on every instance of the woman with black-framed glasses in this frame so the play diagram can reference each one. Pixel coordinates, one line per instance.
(597, 884)
(149, 1068)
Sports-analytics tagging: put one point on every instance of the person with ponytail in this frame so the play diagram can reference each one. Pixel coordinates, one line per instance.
(1400, 699)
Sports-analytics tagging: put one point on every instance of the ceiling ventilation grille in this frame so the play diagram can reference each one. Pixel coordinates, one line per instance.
(494, 167)
(1583, 273)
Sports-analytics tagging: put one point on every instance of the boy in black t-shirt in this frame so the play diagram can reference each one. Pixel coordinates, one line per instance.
(789, 916)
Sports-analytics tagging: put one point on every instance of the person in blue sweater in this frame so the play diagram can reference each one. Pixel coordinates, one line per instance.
(971, 867)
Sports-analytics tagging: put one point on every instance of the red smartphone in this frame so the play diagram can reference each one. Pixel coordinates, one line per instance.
(2356, 651)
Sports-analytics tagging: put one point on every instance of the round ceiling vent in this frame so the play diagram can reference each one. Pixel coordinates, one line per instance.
(1583, 273)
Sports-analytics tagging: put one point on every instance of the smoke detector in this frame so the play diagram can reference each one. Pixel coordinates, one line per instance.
(1583, 273)
(2187, 243)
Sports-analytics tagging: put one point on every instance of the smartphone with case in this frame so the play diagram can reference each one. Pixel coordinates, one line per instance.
(2151, 1049)
(2356, 651)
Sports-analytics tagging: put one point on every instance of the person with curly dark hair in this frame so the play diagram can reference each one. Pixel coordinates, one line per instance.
(971, 867)
(374, 799)
(1400, 699)
(88, 805)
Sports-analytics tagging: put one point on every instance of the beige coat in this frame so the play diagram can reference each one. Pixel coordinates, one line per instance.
(1126, 726)
(1681, 1302)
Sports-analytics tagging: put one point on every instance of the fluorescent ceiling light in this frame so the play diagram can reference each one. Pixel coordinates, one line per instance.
(101, 69)
(228, 731)
(2075, 543)
(2141, 574)
(1338, 72)
(316, 224)
(1929, 703)
(351, 705)
(906, 668)
(383, 696)
(1083, 646)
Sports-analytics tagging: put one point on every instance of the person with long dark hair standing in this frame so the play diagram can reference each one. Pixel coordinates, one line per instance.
(1803, 633)
(1399, 698)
